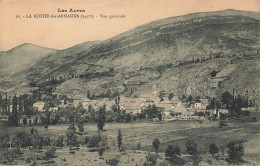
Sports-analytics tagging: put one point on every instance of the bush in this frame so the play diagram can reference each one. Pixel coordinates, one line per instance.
(171, 152)
(235, 153)
(101, 151)
(156, 144)
(139, 146)
(196, 158)
(4, 139)
(49, 154)
(59, 142)
(213, 73)
(73, 142)
(151, 159)
(113, 161)
(28, 160)
(191, 147)
(94, 141)
(213, 149)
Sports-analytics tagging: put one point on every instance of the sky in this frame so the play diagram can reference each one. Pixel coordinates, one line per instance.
(61, 33)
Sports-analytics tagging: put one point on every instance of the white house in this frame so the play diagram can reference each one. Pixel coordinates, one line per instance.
(39, 106)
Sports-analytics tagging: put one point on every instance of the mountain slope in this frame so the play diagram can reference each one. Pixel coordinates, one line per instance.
(176, 54)
(147, 54)
(18, 82)
(21, 57)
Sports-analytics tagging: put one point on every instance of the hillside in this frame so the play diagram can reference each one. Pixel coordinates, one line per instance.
(19, 81)
(176, 54)
(160, 53)
(22, 57)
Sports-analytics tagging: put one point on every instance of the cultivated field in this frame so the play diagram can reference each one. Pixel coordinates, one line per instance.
(168, 132)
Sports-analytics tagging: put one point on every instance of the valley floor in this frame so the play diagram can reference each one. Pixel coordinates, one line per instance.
(169, 133)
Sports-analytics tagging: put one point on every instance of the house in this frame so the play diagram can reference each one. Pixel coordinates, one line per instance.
(29, 120)
(3, 119)
(218, 113)
(39, 105)
(199, 105)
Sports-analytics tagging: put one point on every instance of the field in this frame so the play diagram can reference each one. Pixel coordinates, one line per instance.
(168, 132)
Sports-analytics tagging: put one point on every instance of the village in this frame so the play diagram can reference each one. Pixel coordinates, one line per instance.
(169, 106)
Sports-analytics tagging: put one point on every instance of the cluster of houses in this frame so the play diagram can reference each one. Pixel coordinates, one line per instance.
(171, 108)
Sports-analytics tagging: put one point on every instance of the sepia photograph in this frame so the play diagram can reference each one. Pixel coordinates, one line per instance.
(130, 82)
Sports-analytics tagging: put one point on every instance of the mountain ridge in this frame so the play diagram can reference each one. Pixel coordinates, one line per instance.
(145, 55)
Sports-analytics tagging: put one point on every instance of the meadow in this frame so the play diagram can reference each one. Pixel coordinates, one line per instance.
(175, 132)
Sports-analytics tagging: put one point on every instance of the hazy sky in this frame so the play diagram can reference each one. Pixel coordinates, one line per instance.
(63, 33)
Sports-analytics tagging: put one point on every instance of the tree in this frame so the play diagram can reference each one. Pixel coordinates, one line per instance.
(14, 112)
(1, 105)
(59, 142)
(119, 139)
(46, 141)
(191, 147)
(101, 118)
(70, 131)
(36, 141)
(213, 73)
(4, 140)
(151, 160)
(156, 144)
(171, 152)
(73, 142)
(152, 111)
(128, 118)
(101, 152)
(160, 116)
(139, 146)
(213, 149)
(170, 96)
(88, 95)
(20, 107)
(21, 139)
(235, 153)
(214, 104)
(91, 112)
(50, 153)
(114, 107)
(81, 127)
(227, 99)
(190, 98)
(94, 141)
(196, 157)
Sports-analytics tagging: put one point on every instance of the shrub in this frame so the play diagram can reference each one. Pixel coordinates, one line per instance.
(134, 118)
(101, 151)
(151, 159)
(170, 96)
(139, 146)
(59, 142)
(113, 161)
(73, 142)
(119, 139)
(235, 152)
(4, 139)
(94, 141)
(171, 152)
(28, 160)
(156, 144)
(49, 154)
(213, 149)
(196, 158)
(191, 147)
(213, 73)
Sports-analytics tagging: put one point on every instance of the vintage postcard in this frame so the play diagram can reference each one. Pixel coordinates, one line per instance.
(130, 82)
